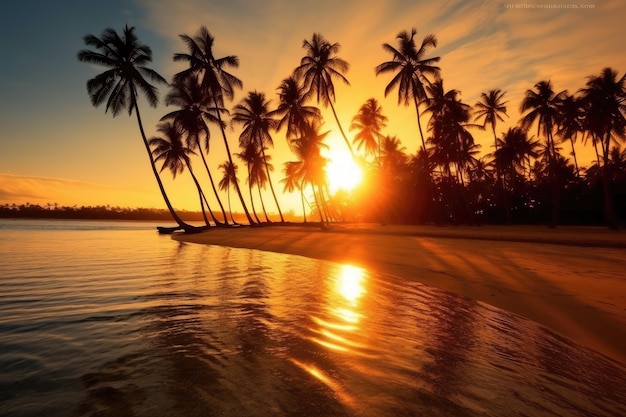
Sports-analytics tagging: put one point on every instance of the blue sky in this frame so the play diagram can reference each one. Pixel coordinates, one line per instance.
(55, 147)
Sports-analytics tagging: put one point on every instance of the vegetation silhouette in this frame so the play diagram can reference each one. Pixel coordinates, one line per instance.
(526, 178)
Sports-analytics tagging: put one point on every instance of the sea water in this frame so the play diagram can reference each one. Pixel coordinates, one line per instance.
(112, 319)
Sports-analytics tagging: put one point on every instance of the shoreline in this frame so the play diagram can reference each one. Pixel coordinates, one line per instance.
(570, 279)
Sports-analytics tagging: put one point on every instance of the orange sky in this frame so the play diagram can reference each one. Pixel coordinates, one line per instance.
(55, 147)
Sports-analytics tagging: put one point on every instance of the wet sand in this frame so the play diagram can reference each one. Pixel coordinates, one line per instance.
(572, 279)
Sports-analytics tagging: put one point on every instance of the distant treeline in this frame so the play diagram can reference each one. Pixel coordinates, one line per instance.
(53, 211)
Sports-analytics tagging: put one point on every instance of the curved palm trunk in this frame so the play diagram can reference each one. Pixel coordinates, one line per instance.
(230, 159)
(178, 220)
(206, 166)
(267, 219)
(203, 196)
(574, 155)
(269, 179)
(345, 138)
(252, 199)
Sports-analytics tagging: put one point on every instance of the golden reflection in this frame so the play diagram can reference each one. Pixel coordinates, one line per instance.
(350, 283)
(314, 371)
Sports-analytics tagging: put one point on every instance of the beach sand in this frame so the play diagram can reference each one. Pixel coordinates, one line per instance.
(570, 279)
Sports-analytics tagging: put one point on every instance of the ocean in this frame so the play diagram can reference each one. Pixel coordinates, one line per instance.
(106, 318)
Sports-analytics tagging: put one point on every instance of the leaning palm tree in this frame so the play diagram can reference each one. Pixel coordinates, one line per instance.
(214, 80)
(605, 105)
(229, 177)
(169, 149)
(368, 123)
(318, 68)
(541, 106)
(294, 179)
(119, 86)
(194, 109)
(248, 156)
(411, 69)
(254, 114)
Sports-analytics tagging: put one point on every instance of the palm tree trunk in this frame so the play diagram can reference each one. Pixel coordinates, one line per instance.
(269, 179)
(267, 219)
(252, 199)
(574, 155)
(609, 211)
(202, 195)
(178, 220)
(206, 166)
(345, 138)
(230, 159)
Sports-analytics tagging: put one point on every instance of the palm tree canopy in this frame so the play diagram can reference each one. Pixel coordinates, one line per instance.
(296, 115)
(605, 105)
(229, 177)
(410, 66)
(254, 114)
(490, 107)
(319, 67)
(211, 71)
(169, 148)
(368, 122)
(126, 59)
(542, 107)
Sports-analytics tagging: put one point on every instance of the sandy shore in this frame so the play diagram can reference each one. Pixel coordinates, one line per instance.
(572, 279)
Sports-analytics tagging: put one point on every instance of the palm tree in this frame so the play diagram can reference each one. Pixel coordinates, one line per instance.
(310, 166)
(254, 114)
(295, 114)
(294, 179)
(170, 149)
(118, 86)
(369, 122)
(214, 81)
(605, 104)
(490, 108)
(569, 122)
(229, 177)
(248, 156)
(542, 107)
(318, 68)
(195, 108)
(411, 69)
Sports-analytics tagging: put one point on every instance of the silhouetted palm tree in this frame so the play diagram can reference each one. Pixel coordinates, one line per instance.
(214, 80)
(569, 122)
(542, 107)
(369, 122)
(295, 114)
(605, 104)
(195, 108)
(490, 109)
(318, 68)
(411, 69)
(118, 86)
(254, 114)
(248, 156)
(169, 149)
(229, 177)
(294, 179)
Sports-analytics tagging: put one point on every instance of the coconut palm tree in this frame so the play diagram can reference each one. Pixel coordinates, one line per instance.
(295, 114)
(170, 149)
(310, 165)
(369, 122)
(257, 120)
(249, 156)
(294, 179)
(127, 74)
(542, 107)
(490, 109)
(569, 122)
(214, 81)
(194, 109)
(317, 69)
(229, 177)
(411, 69)
(605, 104)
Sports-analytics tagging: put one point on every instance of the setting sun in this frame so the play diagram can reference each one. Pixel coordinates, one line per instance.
(342, 171)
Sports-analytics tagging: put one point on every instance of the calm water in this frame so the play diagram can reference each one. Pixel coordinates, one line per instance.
(111, 319)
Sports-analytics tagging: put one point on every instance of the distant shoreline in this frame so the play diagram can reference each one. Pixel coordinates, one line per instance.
(570, 279)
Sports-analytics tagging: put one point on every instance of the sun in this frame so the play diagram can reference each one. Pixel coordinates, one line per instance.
(342, 171)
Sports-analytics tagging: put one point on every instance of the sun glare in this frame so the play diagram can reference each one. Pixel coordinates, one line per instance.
(342, 171)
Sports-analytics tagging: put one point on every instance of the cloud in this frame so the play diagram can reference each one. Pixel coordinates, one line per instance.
(21, 189)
